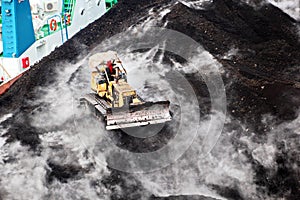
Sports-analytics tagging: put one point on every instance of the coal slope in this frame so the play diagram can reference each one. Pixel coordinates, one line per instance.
(258, 47)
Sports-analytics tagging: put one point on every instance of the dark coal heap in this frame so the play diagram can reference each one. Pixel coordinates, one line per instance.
(263, 77)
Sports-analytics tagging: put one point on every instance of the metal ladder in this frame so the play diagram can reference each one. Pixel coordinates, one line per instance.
(68, 7)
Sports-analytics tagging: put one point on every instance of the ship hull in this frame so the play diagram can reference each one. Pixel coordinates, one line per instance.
(14, 67)
(5, 86)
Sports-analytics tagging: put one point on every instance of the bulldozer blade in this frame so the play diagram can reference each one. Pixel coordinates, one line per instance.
(138, 115)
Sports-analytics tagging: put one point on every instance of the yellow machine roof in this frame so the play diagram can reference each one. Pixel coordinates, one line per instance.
(101, 58)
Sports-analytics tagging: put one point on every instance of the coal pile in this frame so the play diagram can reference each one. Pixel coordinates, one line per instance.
(258, 46)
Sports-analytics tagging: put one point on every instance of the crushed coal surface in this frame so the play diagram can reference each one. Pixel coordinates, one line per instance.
(258, 48)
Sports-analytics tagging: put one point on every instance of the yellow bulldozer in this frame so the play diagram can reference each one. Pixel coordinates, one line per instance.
(113, 99)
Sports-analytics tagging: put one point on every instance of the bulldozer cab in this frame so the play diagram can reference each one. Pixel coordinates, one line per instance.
(110, 64)
(115, 74)
(100, 78)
